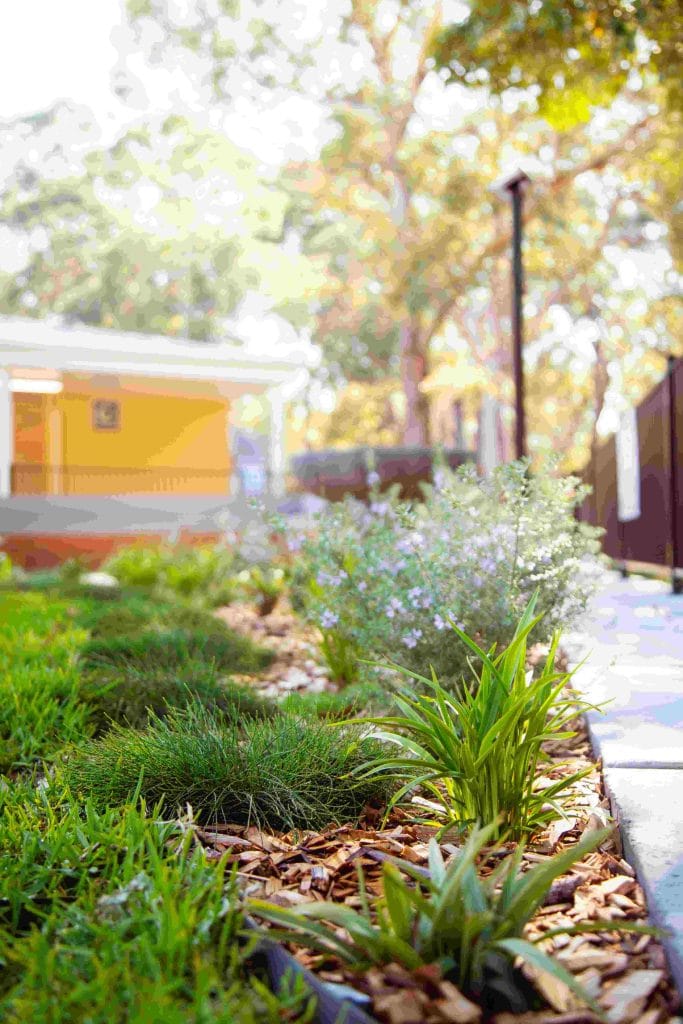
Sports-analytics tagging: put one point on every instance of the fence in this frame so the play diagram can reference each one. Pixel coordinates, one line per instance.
(35, 479)
(656, 536)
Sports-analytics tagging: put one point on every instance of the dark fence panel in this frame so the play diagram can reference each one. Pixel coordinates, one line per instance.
(648, 538)
(332, 474)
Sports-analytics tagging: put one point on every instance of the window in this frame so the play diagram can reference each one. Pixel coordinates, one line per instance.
(106, 415)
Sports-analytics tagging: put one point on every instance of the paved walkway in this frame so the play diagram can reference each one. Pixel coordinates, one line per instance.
(633, 642)
(141, 513)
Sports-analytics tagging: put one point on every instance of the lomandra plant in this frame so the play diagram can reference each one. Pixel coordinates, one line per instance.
(480, 756)
(471, 927)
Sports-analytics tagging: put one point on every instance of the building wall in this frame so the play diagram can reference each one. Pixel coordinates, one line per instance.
(30, 443)
(162, 442)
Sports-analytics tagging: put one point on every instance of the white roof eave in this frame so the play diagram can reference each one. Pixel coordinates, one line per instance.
(34, 343)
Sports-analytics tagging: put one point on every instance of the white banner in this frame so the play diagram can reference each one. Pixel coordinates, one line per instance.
(628, 468)
(489, 454)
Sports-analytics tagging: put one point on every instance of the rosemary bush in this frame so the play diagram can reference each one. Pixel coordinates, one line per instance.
(385, 579)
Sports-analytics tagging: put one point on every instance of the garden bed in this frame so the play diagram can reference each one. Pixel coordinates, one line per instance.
(627, 974)
(179, 773)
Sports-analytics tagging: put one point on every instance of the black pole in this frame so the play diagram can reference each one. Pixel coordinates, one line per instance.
(676, 582)
(515, 188)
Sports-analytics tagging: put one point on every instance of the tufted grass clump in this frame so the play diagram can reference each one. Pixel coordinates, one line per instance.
(133, 695)
(357, 699)
(283, 773)
(175, 647)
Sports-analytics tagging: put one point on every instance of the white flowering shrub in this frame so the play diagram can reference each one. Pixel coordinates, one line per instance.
(388, 578)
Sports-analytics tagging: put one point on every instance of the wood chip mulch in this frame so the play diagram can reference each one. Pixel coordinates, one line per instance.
(296, 666)
(626, 974)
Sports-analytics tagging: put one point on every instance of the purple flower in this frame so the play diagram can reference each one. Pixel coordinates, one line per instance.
(393, 607)
(411, 639)
(439, 622)
(328, 619)
(362, 585)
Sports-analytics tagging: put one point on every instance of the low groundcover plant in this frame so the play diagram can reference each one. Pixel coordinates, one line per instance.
(222, 647)
(479, 757)
(471, 927)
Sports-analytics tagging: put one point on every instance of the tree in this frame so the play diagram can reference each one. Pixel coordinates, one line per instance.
(396, 213)
(165, 230)
(577, 55)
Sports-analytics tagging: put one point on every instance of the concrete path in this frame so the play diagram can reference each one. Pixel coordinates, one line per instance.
(142, 513)
(633, 642)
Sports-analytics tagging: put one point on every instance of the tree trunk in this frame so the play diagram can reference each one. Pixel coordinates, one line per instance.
(413, 372)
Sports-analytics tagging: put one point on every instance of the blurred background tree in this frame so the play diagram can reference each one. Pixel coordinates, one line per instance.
(382, 236)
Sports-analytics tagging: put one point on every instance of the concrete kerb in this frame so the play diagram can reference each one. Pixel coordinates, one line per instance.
(632, 653)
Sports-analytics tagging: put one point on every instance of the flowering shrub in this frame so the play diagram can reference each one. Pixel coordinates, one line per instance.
(388, 578)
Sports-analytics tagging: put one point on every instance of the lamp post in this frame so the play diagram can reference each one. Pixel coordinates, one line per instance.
(514, 187)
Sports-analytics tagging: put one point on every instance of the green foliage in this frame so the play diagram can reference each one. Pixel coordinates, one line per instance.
(358, 698)
(179, 272)
(40, 710)
(285, 773)
(131, 694)
(341, 657)
(138, 566)
(267, 583)
(479, 758)
(388, 578)
(175, 648)
(471, 927)
(203, 574)
(127, 920)
(5, 567)
(127, 615)
(54, 850)
(104, 912)
(522, 45)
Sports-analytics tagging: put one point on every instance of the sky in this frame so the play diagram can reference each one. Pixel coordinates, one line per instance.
(74, 50)
(57, 49)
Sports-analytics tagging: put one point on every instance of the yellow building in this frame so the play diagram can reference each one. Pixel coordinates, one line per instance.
(85, 411)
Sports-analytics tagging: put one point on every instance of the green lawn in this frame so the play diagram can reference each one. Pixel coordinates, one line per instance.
(106, 912)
